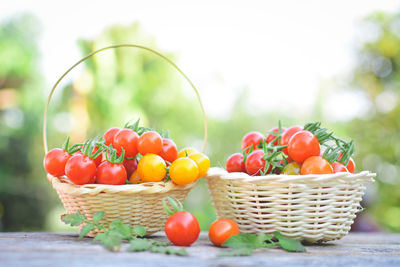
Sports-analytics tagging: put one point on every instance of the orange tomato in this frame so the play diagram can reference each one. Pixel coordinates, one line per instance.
(316, 165)
(135, 178)
(221, 230)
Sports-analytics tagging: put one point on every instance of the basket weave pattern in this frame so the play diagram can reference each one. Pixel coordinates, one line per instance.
(311, 208)
(139, 204)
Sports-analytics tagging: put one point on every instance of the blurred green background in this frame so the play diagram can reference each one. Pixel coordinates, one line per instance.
(125, 84)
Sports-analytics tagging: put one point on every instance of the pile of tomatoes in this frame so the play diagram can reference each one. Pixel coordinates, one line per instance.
(131, 154)
(294, 150)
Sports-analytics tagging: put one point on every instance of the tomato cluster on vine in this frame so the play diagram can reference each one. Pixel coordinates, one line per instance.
(294, 150)
(131, 154)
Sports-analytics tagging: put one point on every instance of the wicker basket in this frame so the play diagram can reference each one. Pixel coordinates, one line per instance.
(134, 204)
(310, 208)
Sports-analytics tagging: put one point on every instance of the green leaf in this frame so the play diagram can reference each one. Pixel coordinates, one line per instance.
(74, 219)
(140, 245)
(237, 252)
(289, 244)
(98, 216)
(243, 241)
(169, 251)
(139, 230)
(263, 238)
(86, 229)
(160, 243)
(124, 230)
(112, 241)
(100, 237)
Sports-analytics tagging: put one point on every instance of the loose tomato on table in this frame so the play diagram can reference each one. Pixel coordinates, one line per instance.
(150, 142)
(235, 163)
(126, 139)
(287, 134)
(303, 145)
(202, 162)
(316, 165)
(181, 228)
(169, 151)
(221, 230)
(183, 171)
(151, 168)
(252, 140)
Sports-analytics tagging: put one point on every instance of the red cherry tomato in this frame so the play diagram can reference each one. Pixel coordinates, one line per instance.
(287, 134)
(221, 230)
(55, 160)
(252, 139)
(316, 165)
(150, 142)
(271, 137)
(128, 140)
(255, 163)
(80, 169)
(111, 173)
(351, 166)
(235, 163)
(130, 166)
(109, 135)
(303, 145)
(339, 167)
(169, 151)
(182, 228)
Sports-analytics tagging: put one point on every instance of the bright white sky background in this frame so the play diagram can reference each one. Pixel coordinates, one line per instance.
(281, 50)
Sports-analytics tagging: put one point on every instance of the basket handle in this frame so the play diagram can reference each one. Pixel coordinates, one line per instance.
(121, 46)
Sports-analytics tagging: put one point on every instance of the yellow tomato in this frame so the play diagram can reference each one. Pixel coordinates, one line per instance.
(202, 161)
(151, 168)
(183, 171)
(292, 168)
(135, 179)
(186, 152)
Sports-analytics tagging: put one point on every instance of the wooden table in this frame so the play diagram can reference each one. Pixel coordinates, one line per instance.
(65, 249)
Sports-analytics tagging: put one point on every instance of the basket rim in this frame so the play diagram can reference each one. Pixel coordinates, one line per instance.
(364, 176)
(64, 185)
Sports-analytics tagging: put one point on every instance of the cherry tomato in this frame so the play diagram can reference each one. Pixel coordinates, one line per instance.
(150, 142)
(130, 165)
(135, 178)
(128, 140)
(339, 167)
(235, 163)
(187, 152)
(271, 137)
(109, 135)
(99, 158)
(169, 152)
(221, 230)
(151, 168)
(292, 168)
(351, 166)
(55, 160)
(252, 139)
(111, 173)
(287, 134)
(80, 169)
(255, 163)
(182, 228)
(316, 165)
(183, 171)
(202, 162)
(303, 145)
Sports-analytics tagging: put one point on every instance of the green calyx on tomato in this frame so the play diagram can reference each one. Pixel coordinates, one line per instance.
(71, 150)
(174, 202)
(89, 146)
(112, 155)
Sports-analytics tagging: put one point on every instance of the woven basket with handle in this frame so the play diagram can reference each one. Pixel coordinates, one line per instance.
(311, 208)
(134, 204)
